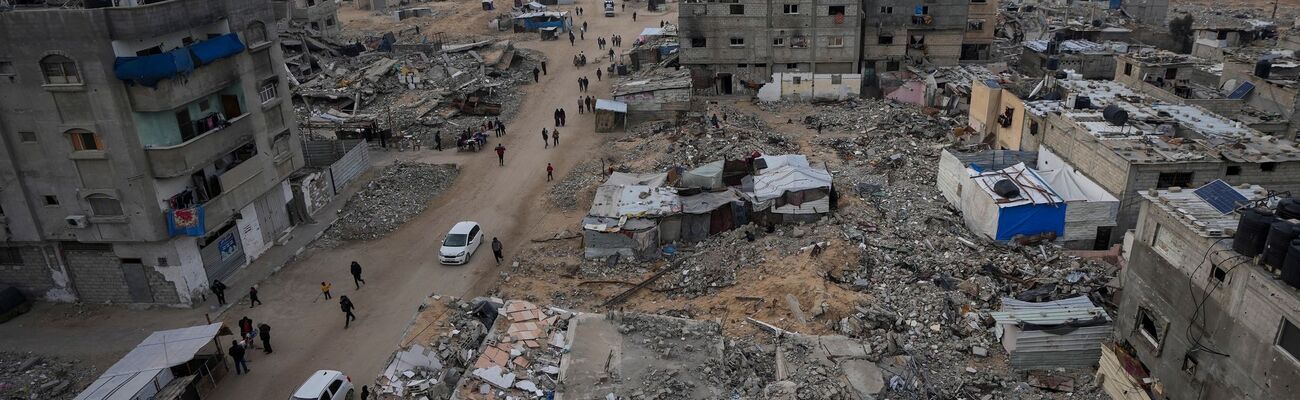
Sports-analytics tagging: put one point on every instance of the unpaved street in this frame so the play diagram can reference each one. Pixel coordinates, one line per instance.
(402, 268)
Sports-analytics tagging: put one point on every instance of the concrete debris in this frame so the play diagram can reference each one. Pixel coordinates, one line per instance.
(697, 141)
(400, 192)
(431, 367)
(28, 376)
(578, 183)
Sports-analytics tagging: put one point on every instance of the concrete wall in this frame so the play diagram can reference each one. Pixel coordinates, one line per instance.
(820, 86)
(1150, 12)
(41, 275)
(1268, 96)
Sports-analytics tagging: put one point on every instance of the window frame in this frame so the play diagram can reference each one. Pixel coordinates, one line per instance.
(732, 42)
(270, 85)
(790, 9)
(832, 41)
(736, 9)
(95, 211)
(1277, 341)
(1158, 323)
(64, 66)
(880, 39)
(778, 41)
(1165, 180)
(78, 140)
(701, 41)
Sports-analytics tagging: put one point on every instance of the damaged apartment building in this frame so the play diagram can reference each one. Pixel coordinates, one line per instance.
(1128, 142)
(736, 46)
(145, 152)
(319, 17)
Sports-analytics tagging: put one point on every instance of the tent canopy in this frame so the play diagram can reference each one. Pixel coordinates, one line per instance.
(634, 201)
(708, 201)
(789, 178)
(165, 349)
(1071, 186)
(768, 162)
(708, 176)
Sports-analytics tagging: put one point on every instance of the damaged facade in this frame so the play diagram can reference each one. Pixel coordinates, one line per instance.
(318, 17)
(151, 154)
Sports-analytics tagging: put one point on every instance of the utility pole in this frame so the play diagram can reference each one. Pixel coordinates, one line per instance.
(812, 16)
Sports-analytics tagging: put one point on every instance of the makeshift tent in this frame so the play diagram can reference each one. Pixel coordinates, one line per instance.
(1033, 209)
(707, 176)
(767, 162)
(610, 115)
(709, 213)
(545, 19)
(628, 237)
(623, 179)
(634, 201)
(1088, 206)
(791, 189)
(142, 372)
(1056, 334)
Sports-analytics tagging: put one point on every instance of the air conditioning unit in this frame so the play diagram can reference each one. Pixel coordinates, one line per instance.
(77, 221)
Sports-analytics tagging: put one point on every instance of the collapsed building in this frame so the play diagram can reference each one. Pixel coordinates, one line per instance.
(318, 17)
(173, 140)
(1089, 59)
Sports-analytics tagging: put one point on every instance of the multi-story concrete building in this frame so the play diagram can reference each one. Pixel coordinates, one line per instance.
(318, 16)
(145, 147)
(1202, 320)
(730, 43)
(897, 34)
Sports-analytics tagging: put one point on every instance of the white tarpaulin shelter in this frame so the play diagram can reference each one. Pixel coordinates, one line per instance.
(775, 182)
(634, 201)
(144, 370)
(767, 162)
(1091, 207)
(707, 176)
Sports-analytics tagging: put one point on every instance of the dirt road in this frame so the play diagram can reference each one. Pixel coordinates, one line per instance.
(402, 268)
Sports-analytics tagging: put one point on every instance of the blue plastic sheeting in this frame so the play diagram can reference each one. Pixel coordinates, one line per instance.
(217, 48)
(148, 70)
(667, 49)
(1031, 219)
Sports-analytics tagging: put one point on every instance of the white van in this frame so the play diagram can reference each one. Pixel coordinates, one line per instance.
(326, 385)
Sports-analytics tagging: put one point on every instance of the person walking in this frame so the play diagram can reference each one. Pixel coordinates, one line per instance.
(325, 290)
(591, 103)
(634, 15)
(584, 25)
(245, 327)
(264, 331)
(536, 74)
(543, 67)
(611, 54)
(545, 139)
(571, 38)
(550, 172)
(501, 154)
(556, 114)
(496, 249)
(501, 128)
(365, 392)
(582, 103)
(437, 140)
(555, 138)
(563, 117)
(582, 34)
(346, 305)
(237, 353)
(598, 75)
(253, 301)
(356, 274)
(219, 290)
(625, 5)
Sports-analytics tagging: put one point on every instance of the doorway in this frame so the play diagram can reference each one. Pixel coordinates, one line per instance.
(724, 83)
(230, 105)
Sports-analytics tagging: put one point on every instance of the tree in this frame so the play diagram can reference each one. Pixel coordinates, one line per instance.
(1181, 30)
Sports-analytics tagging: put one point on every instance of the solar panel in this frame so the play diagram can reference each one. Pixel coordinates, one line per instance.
(1242, 90)
(1221, 196)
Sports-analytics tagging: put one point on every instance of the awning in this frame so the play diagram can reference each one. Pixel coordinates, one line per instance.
(611, 105)
(165, 349)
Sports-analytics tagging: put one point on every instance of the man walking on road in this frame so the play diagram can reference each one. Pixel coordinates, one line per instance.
(580, 87)
(501, 155)
(582, 103)
(597, 75)
(570, 38)
(437, 140)
(536, 74)
(501, 128)
(562, 117)
(264, 331)
(634, 15)
(496, 249)
(219, 290)
(543, 67)
(550, 172)
(346, 305)
(545, 139)
(555, 138)
(556, 114)
(253, 301)
(356, 274)
(237, 353)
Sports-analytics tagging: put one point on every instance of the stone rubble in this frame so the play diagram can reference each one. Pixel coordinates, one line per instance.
(33, 377)
(400, 192)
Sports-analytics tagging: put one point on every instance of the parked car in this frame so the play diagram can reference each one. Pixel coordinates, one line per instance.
(326, 385)
(12, 303)
(460, 243)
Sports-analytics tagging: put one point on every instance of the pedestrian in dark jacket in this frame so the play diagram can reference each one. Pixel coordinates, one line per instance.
(237, 353)
(356, 275)
(563, 117)
(597, 75)
(582, 104)
(580, 87)
(555, 138)
(496, 249)
(571, 38)
(634, 15)
(253, 301)
(545, 138)
(536, 74)
(219, 290)
(346, 305)
(264, 331)
(543, 67)
(501, 154)
(245, 327)
(365, 392)
(437, 140)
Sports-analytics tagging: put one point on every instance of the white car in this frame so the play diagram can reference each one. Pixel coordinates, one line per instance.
(460, 243)
(326, 385)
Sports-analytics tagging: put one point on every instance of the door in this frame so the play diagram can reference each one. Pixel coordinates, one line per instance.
(230, 105)
(186, 124)
(724, 83)
(475, 237)
(334, 391)
(137, 283)
(1103, 238)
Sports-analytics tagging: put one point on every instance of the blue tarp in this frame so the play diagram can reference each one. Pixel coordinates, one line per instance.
(217, 48)
(667, 49)
(1031, 219)
(148, 70)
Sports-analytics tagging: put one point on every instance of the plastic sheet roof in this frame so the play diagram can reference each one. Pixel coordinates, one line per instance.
(162, 349)
(1033, 188)
(634, 201)
(775, 161)
(708, 201)
(1047, 313)
(1072, 186)
(622, 179)
(774, 182)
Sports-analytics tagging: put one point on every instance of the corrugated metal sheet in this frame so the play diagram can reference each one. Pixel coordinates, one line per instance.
(1079, 348)
(353, 163)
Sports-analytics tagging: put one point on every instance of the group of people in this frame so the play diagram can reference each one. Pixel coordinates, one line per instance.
(586, 103)
(613, 41)
(583, 83)
(550, 135)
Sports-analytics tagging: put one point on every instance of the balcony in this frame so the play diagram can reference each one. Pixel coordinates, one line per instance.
(193, 154)
(172, 93)
(146, 21)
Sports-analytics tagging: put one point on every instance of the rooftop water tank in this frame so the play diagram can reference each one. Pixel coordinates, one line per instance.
(1280, 235)
(1252, 231)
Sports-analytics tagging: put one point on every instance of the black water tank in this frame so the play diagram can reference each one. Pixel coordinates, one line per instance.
(1263, 68)
(1082, 103)
(1280, 235)
(1291, 267)
(1252, 231)
(1007, 189)
(1115, 115)
(1288, 208)
(1053, 63)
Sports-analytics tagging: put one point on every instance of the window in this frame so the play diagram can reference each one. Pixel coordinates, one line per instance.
(51, 200)
(925, 10)
(792, 66)
(778, 42)
(11, 256)
(836, 10)
(974, 25)
(796, 80)
(1170, 179)
(256, 33)
(1128, 69)
(1189, 364)
(884, 40)
(268, 91)
(760, 65)
(699, 42)
(1288, 339)
(886, 10)
(916, 41)
(892, 65)
(162, 261)
(1171, 73)
(1218, 274)
(6, 68)
(737, 42)
(85, 140)
(1268, 166)
(790, 9)
(27, 137)
(1233, 170)
(334, 387)
(1033, 127)
(837, 79)
(742, 65)
(1151, 327)
(736, 9)
(103, 205)
(329, 21)
(836, 41)
(59, 70)
(280, 145)
(149, 51)
(979, 1)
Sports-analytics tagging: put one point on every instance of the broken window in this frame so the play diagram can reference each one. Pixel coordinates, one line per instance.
(742, 65)
(792, 66)
(1128, 69)
(699, 42)
(1223, 35)
(886, 10)
(1268, 166)
(85, 140)
(885, 39)
(836, 10)
(1288, 339)
(737, 42)
(1171, 73)
(1233, 170)
(51, 200)
(790, 9)
(103, 205)
(736, 9)
(60, 70)
(1033, 127)
(778, 42)
(1151, 327)
(1189, 364)
(1171, 179)
(799, 42)
(256, 33)
(916, 41)
(1218, 274)
(974, 25)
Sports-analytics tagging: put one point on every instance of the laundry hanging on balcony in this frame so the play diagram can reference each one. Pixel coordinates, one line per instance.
(149, 70)
(185, 221)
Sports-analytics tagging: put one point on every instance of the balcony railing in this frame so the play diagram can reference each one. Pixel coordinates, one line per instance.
(185, 158)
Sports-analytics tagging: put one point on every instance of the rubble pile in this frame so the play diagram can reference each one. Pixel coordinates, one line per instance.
(578, 183)
(29, 376)
(698, 141)
(880, 117)
(521, 356)
(745, 367)
(432, 369)
(401, 192)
